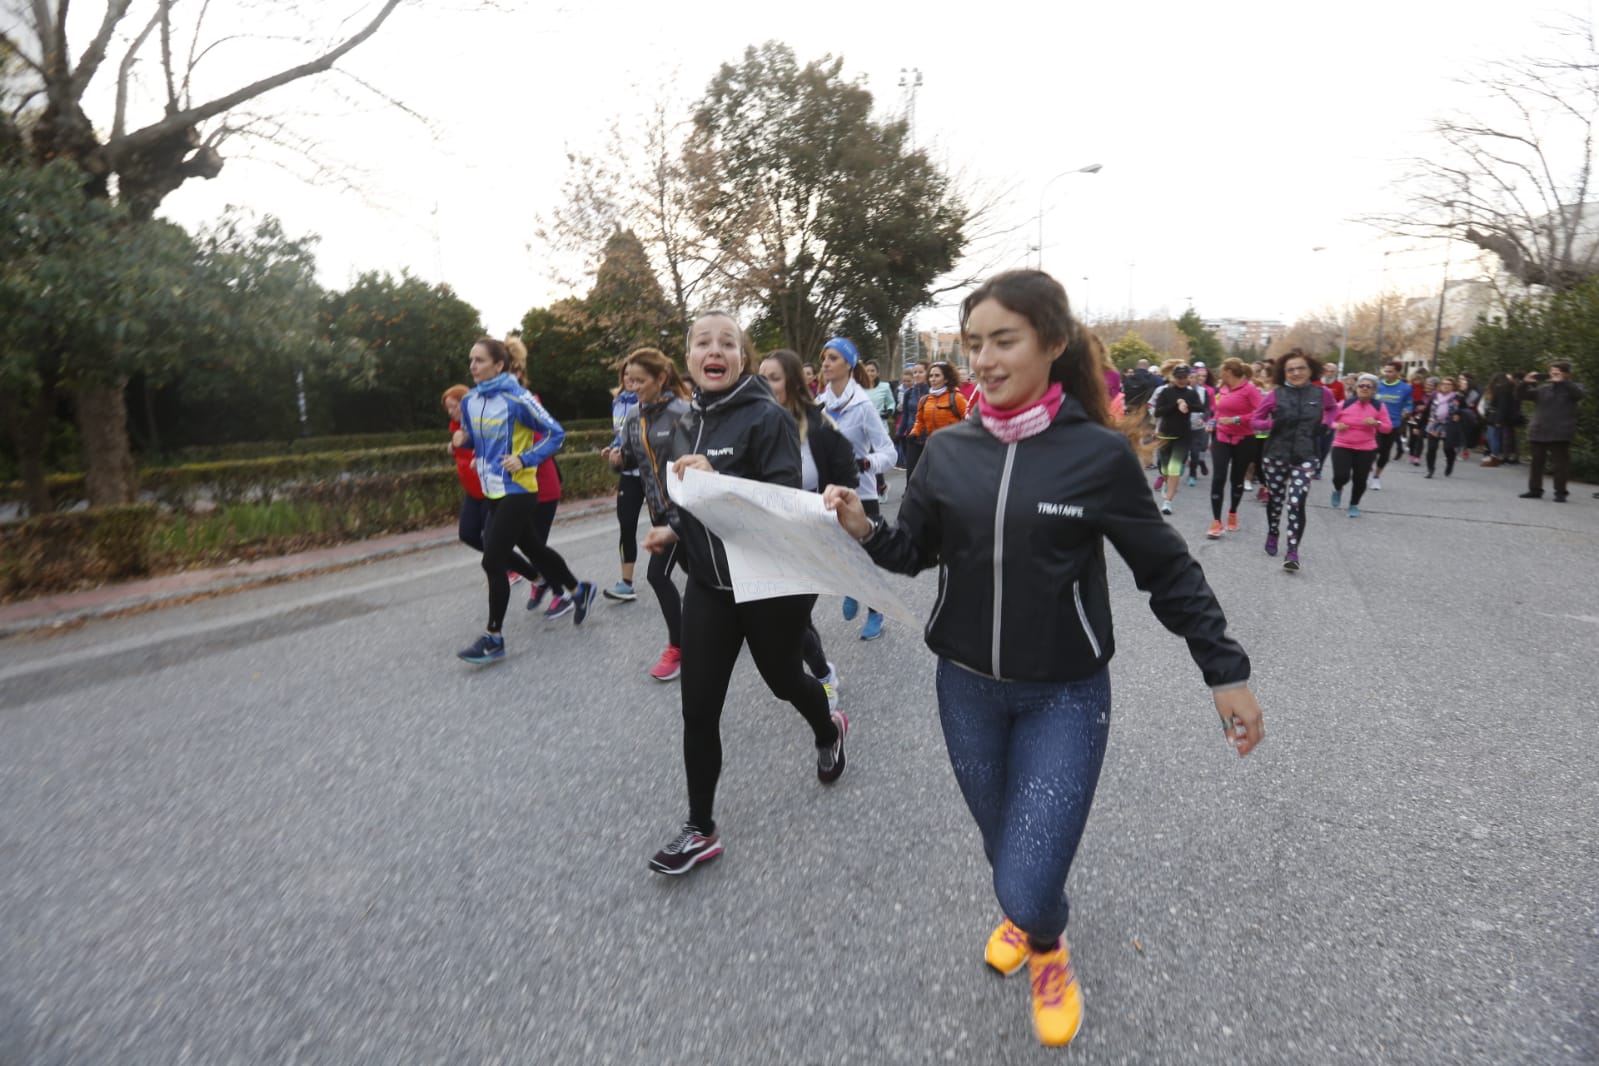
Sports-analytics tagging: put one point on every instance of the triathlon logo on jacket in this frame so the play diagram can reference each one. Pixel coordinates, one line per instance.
(1060, 510)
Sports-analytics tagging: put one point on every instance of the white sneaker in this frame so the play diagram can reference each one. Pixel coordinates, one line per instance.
(1376, 484)
(830, 686)
(1165, 508)
(1249, 486)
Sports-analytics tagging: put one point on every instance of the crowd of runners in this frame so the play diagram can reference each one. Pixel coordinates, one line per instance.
(1016, 476)
(1270, 428)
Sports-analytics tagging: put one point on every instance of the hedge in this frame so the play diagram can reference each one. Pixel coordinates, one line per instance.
(57, 551)
(263, 479)
(263, 449)
(71, 549)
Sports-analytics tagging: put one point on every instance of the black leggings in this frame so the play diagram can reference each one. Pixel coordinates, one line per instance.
(474, 528)
(1233, 459)
(1198, 445)
(659, 575)
(629, 502)
(1347, 461)
(1448, 441)
(1415, 435)
(714, 629)
(510, 527)
(1386, 443)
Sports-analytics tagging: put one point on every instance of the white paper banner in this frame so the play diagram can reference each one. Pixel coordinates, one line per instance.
(783, 542)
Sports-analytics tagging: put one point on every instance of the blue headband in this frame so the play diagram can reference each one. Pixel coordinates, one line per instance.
(845, 347)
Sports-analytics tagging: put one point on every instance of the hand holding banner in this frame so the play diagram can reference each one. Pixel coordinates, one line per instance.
(783, 542)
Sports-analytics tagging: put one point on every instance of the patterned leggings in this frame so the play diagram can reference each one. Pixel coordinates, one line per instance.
(1287, 483)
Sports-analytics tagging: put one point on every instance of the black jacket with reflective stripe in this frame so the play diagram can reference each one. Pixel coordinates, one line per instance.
(743, 432)
(1017, 532)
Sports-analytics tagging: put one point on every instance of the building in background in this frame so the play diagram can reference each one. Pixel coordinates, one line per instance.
(1235, 333)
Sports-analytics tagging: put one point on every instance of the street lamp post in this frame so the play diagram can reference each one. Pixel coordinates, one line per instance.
(1438, 331)
(1382, 304)
(1343, 341)
(1092, 168)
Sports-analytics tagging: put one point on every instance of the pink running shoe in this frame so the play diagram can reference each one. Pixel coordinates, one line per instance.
(670, 666)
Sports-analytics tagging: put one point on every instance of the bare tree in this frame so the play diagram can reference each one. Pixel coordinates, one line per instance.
(643, 182)
(1515, 177)
(1161, 334)
(1402, 325)
(139, 162)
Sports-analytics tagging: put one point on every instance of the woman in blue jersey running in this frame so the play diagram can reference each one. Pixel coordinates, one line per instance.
(499, 419)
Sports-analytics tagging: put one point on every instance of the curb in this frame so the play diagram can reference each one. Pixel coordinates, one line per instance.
(70, 608)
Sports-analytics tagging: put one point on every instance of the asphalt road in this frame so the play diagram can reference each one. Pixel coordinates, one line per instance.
(288, 826)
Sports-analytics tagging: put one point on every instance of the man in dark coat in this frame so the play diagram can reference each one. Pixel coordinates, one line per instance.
(1554, 423)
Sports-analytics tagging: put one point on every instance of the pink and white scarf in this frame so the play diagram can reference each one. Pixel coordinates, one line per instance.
(1011, 424)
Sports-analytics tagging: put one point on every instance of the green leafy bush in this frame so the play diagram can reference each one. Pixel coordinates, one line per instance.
(1528, 336)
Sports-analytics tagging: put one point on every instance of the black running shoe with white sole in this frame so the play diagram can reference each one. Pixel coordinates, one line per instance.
(489, 648)
(582, 600)
(830, 760)
(685, 851)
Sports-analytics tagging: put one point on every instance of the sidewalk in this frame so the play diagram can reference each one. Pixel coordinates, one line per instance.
(66, 608)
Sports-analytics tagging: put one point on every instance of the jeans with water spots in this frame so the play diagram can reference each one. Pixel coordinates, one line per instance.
(1026, 755)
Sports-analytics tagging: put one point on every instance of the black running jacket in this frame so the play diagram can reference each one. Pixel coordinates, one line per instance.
(1017, 532)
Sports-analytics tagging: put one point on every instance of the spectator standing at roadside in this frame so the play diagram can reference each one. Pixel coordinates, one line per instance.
(1503, 416)
(1470, 422)
(1554, 423)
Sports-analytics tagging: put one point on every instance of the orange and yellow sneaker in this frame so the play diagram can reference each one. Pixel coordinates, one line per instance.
(1057, 998)
(1214, 532)
(1007, 949)
(1232, 521)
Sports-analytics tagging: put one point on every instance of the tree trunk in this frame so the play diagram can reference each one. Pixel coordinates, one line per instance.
(28, 430)
(109, 475)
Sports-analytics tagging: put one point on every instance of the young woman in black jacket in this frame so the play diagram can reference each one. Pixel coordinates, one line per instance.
(1013, 508)
(646, 431)
(732, 428)
(828, 458)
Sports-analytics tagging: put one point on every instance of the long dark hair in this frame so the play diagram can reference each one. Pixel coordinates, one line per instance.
(1041, 300)
(796, 397)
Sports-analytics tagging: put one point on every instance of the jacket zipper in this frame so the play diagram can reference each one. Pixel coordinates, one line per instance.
(710, 545)
(1082, 616)
(943, 589)
(999, 552)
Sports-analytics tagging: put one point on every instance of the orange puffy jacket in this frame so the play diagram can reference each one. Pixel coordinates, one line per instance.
(938, 412)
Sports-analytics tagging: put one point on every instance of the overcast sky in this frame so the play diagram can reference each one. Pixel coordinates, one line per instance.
(1234, 136)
